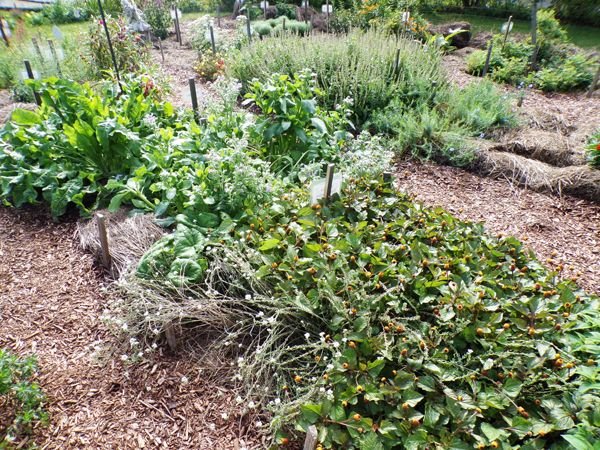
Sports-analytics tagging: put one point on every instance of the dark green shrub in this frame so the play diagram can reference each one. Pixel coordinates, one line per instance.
(158, 17)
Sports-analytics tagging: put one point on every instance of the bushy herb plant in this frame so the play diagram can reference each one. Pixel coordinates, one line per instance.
(21, 398)
(559, 66)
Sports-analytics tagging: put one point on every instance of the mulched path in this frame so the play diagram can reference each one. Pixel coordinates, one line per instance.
(564, 230)
(51, 301)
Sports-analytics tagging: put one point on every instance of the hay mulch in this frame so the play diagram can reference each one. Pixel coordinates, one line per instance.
(51, 301)
(565, 229)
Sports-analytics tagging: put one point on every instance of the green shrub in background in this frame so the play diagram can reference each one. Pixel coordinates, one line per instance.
(21, 399)
(360, 66)
(158, 16)
(111, 7)
(559, 67)
(131, 52)
(275, 26)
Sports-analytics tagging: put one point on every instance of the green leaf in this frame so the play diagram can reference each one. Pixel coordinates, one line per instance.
(319, 125)
(512, 387)
(371, 442)
(269, 244)
(311, 412)
(25, 117)
(490, 432)
(578, 442)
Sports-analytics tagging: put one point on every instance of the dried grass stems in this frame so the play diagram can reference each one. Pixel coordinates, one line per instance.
(581, 181)
(129, 238)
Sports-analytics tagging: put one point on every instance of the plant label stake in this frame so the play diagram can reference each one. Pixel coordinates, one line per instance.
(177, 25)
(248, 30)
(329, 180)
(326, 187)
(305, 4)
(38, 100)
(54, 55)
(387, 178)
(192, 83)
(3, 33)
(264, 4)
(162, 55)
(310, 442)
(487, 59)
(284, 23)
(594, 83)
(37, 49)
(106, 258)
(212, 39)
(508, 26)
(110, 46)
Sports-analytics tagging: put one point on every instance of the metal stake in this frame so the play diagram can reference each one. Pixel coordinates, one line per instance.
(106, 258)
(329, 180)
(487, 59)
(38, 99)
(110, 46)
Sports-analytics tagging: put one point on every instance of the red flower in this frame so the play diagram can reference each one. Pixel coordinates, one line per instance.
(598, 147)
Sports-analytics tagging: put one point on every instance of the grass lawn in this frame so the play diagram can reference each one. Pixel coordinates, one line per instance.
(585, 37)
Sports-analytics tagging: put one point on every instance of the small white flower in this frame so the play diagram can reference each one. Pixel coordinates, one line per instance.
(259, 424)
(212, 426)
(251, 404)
(307, 336)
(278, 401)
(240, 360)
(238, 399)
(184, 380)
(248, 297)
(336, 344)
(124, 327)
(124, 357)
(224, 416)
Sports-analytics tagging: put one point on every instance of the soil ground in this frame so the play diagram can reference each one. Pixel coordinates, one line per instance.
(52, 298)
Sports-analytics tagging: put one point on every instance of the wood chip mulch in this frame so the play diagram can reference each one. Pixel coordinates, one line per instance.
(565, 230)
(51, 301)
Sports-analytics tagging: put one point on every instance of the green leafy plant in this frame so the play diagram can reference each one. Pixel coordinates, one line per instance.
(593, 150)
(21, 398)
(78, 139)
(156, 13)
(295, 130)
(131, 52)
(559, 67)
(390, 325)
(364, 67)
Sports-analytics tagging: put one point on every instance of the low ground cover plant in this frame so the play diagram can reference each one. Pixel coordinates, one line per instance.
(386, 324)
(21, 399)
(559, 67)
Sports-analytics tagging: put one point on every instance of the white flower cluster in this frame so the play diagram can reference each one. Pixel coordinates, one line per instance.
(366, 157)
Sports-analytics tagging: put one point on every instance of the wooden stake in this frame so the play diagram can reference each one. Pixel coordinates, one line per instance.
(162, 55)
(55, 56)
(487, 59)
(171, 336)
(387, 177)
(508, 24)
(38, 99)
(310, 443)
(248, 30)
(212, 39)
(329, 180)
(4, 36)
(594, 83)
(219, 16)
(534, 22)
(106, 258)
(36, 47)
(192, 83)
(397, 61)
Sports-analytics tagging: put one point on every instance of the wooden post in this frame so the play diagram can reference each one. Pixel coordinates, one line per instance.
(284, 22)
(177, 28)
(508, 25)
(171, 336)
(594, 83)
(329, 180)
(55, 56)
(306, 11)
(162, 55)
(36, 47)
(219, 15)
(310, 442)
(248, 30)
(212, 39)
(264, 5)
(487, 59)
(194, 96)
(327, 6)
(38, 99)
(4, 36)
(397, 61)
(534, 34)
(106, 259)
